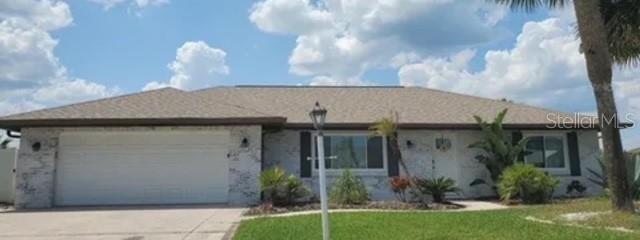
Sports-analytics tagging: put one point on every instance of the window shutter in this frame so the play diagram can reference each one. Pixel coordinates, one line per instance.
(375, 153)
(394, 159)
(305, 153)
(574, 154)
(516, 136)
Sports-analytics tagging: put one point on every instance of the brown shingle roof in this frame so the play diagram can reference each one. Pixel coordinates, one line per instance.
(272, 104)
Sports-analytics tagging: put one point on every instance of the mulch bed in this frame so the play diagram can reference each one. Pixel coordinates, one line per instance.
(381, 205)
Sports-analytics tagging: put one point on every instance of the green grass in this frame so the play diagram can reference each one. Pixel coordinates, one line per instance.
(493, 225)
(611, 219)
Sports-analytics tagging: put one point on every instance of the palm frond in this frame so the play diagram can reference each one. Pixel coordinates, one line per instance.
(622, 19)
(386, 126)
(5, 143)
(531, 5)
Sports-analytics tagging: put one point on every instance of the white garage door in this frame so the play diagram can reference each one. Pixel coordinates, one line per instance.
(152, 167)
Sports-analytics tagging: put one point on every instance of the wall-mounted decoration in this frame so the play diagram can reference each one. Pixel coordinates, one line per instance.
(443, 144)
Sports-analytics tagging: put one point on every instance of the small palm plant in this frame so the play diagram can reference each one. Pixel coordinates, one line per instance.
(270, 182)
(280, 189)
(599, 178)
(292, 190)
(437, 187)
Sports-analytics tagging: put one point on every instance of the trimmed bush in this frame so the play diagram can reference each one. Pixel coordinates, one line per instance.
(437, 187)
(280, 189)
(348, 189)
(527, 182)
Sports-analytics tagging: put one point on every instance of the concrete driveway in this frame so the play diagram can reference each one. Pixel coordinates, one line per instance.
(130, 223)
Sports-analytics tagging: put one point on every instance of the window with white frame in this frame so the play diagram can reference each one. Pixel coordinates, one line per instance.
(547, 151)
(353, 151)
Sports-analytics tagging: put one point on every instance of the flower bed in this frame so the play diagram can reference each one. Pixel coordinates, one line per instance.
(382, 205)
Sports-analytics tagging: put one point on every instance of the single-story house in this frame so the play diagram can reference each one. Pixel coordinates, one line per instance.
(170, 146)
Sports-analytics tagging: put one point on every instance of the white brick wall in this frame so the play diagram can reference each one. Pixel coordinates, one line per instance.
(282, 148)
(35, 171)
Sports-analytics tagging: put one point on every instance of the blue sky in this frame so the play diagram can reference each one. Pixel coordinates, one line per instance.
(71, 51)
(139, 47)
(118, 47)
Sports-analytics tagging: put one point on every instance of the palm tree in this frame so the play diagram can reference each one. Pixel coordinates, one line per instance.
(388, 127)
(610, 33)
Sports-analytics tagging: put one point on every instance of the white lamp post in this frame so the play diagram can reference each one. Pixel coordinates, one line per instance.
(318, 116)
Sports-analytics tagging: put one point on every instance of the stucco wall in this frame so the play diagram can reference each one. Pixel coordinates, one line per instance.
(35, 170)
(282, 148)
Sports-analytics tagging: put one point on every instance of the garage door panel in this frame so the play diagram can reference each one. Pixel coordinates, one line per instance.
(147, 173)
(134, 139)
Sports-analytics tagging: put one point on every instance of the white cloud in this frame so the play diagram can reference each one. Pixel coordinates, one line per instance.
(31, 76)
(66, 91)
(26, 55)
(196, 66)
(17, 106)
(345, 38)
(139, 4)
(545, 59)
(544, 68)
(46, 15)
(330, 81)
(301, 16)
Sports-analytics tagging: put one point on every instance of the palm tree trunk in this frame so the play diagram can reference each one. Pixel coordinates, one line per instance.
(599, 68)
(395, 148)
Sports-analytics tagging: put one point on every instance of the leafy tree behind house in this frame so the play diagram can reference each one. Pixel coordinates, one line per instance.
(498, 152)
(610, 33)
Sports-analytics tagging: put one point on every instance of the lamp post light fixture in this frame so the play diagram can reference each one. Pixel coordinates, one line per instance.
(318, 116)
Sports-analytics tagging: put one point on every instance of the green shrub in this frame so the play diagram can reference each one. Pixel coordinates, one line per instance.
(292, 190)
(270, 181)
(280, 189)
(498, 152)
(348, 189)
(437, 187)
(527, 182)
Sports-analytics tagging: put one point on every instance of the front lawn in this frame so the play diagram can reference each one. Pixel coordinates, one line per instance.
(600, 206)
(498, 224)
